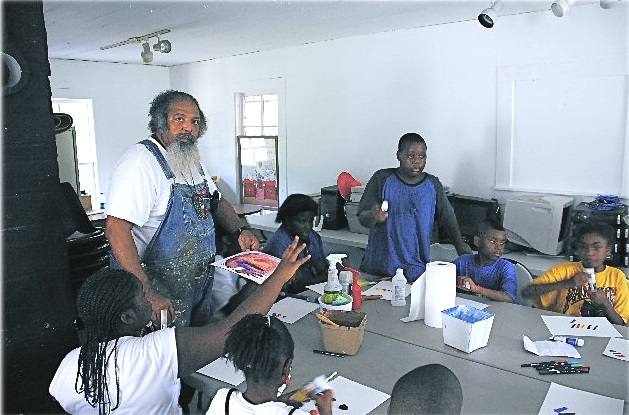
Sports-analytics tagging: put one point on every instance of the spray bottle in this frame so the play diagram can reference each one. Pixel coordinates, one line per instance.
(333, 287)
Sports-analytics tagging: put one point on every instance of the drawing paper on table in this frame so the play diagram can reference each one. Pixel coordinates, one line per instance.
(289, 310)
(359, 399)
(318, 288)
(385, 289)
(580, 326)
(561, 399)
(465, 301)
(253, 265)
(618, 349)
(223, 370)
(550, 348)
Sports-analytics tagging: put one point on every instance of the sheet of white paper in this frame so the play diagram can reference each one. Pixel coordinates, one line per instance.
(550, 348)
(289, 310)
(618, 349)
(358, 398)
(385, 289)
(578, 402)
(318, 288)
(253, 265)
(475, 304)
(222, 369)
(580, 326)
(418, 300)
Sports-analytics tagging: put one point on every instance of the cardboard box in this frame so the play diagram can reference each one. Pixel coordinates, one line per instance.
(348, 336)
(86, 202)
(466, 328)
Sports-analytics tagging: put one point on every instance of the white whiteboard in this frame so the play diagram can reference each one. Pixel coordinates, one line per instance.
(562, 129)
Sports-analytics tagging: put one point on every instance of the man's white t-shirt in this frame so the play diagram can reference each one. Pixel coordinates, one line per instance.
(139, 192)
(147, 373)
(238, 405)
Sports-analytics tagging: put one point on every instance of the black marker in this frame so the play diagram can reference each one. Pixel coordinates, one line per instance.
(329, 353)
(297, 296)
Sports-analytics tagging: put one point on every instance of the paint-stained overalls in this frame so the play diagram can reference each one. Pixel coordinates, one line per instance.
(178, 258)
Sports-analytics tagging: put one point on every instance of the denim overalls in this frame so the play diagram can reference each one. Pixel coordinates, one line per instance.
(178, 258)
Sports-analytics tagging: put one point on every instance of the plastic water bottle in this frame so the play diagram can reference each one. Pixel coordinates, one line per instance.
(592, 278)
(398, 296)
(345, 278)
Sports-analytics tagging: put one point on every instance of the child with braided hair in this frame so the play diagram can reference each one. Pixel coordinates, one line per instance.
(118, 369)
(262, 348)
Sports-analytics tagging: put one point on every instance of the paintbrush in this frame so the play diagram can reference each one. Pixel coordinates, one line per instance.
(326, 320)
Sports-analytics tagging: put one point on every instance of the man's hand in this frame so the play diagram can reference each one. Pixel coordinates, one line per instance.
(159, 302)
(289, 264)
(579, 279)
(248, 241)
(378, 214)
(467, 283)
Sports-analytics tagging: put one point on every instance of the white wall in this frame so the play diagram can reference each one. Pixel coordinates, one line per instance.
(346, 102)
(121, 95)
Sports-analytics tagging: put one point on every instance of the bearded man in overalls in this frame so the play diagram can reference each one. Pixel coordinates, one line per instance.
(161, 211)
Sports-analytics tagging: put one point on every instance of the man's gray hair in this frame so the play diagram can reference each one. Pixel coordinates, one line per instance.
(160, 106)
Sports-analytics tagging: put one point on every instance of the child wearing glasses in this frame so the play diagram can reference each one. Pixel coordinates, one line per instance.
(564, 288)
(486, 273)
(400, 206)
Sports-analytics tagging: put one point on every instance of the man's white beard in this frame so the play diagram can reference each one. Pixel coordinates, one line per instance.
(185, 161)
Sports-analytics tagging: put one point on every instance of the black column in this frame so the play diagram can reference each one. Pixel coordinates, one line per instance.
(38, 306)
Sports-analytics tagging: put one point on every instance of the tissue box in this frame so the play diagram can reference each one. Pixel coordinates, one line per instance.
(466, 328)
(346, 338)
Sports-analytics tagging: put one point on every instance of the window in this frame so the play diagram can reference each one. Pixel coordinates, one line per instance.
(83, 121)
(257, 149)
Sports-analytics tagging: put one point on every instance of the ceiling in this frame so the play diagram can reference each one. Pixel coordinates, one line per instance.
(205, 30)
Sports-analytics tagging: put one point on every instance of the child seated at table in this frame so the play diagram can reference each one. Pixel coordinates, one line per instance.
(400, 230)
(262, 348)
(485, 273)
(429, 389)
(564, 288)
(296, 215)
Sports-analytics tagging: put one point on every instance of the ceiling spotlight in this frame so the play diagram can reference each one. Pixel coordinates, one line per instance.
(488, 16)
(561, 7)
(163, 46)
(147, 55)
(608, 4)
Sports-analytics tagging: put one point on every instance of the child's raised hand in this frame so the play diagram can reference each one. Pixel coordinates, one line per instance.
(579, 279)
(324, 402)
(289, 264)
(379, 214)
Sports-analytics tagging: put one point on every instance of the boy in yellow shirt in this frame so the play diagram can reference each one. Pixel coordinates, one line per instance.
(564, 288)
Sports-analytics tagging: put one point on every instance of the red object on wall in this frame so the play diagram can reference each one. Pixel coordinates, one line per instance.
(270, 189)
(249, 187)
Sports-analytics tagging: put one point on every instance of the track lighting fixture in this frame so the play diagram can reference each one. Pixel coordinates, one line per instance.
(147, 55)
(162, 46)
(561, 7)
(488, 17)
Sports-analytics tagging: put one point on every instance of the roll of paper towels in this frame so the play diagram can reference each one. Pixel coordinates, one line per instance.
(440, 291)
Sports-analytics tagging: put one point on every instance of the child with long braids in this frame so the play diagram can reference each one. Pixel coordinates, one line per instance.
(262, 348)
(117, 368)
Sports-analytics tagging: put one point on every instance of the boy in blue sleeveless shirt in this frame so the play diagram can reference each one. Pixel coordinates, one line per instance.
(486, 273)
(400, 231)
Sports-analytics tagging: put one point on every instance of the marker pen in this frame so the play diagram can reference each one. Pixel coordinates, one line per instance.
(325, 352)
(570, 340)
